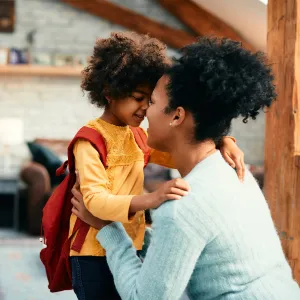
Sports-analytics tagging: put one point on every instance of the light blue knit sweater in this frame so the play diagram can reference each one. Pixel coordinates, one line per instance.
(219, 242)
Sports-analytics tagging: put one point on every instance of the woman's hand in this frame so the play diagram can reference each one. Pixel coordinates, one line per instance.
(81, 211)
(234, 156)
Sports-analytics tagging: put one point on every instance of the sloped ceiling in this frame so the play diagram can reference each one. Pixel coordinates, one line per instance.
(248, 17)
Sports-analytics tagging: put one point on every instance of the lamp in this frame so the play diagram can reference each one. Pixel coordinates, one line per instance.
(11, 134)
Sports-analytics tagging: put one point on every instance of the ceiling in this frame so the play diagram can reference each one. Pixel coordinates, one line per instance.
(247, 17)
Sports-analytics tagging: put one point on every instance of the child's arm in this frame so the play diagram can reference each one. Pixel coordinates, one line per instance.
(161, 158)
(228, 147)
(106, 206)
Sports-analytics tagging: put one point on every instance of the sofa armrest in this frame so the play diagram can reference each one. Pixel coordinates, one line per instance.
(38, 184)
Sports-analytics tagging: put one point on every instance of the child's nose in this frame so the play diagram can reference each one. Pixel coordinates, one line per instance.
(145, 104)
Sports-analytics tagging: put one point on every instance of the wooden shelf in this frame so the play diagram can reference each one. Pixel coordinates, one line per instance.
(34, 70)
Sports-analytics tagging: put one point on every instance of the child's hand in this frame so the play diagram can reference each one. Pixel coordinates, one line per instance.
(81, 211)
(170, 190)
(234, 156)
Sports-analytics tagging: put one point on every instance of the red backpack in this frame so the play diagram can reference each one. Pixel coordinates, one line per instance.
(57, 213)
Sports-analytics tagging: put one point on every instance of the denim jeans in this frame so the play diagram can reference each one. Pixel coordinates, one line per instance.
(92, 279)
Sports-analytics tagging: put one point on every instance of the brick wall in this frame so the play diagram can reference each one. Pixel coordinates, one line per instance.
(56, 107)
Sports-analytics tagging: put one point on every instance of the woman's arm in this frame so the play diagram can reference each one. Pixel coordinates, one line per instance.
(169, 262)
(167, 267)
(147, 242)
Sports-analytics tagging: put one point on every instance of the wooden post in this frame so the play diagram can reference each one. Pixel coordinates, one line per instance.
(282, 145)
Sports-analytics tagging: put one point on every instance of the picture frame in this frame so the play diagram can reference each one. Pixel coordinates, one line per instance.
(7, 16)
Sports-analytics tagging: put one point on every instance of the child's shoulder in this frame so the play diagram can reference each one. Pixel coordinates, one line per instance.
(95, 124)
(101, 128)
(83, 143)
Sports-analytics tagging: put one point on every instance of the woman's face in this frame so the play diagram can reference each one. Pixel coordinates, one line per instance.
(160, 130)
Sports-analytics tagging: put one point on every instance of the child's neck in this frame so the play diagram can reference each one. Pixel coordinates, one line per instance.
(111, 118)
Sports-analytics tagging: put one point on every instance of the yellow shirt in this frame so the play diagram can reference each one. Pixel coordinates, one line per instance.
(107, 193)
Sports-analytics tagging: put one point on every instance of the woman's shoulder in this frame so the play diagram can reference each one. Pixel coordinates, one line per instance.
(186, 215)
(179, 210)
(165, 211)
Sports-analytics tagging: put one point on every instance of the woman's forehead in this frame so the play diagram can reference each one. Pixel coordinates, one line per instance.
(160, 90)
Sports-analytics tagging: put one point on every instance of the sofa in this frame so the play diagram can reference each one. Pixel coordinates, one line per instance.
(40, 179)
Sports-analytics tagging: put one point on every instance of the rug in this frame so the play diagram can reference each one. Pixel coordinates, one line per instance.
(22, 275)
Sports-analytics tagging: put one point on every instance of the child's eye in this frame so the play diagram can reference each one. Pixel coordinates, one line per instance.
(150, 101)
(138, 99)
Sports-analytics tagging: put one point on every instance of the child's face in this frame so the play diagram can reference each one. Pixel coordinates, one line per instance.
(132, 109)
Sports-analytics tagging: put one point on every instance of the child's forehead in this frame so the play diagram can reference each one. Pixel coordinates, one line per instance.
(143, 89)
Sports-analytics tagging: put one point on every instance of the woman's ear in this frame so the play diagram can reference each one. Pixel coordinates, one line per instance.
(178, 116)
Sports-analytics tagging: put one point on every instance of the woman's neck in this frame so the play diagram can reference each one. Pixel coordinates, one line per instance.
(187, 156)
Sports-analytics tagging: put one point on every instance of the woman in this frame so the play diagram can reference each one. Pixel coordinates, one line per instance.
(219, 242)
(120, 79)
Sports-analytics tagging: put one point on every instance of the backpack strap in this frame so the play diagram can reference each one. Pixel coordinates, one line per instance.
(96, 139)
(91, 135)
(141, 140)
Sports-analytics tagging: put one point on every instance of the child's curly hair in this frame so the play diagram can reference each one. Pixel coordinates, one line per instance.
(121, 63)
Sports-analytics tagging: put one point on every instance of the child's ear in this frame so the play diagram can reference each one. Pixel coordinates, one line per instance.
(106, 94)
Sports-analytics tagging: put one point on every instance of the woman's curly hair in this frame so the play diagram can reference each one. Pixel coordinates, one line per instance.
(217, 80)
(121, 63)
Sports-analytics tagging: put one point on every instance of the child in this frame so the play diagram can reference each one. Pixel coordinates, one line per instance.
(120, 78)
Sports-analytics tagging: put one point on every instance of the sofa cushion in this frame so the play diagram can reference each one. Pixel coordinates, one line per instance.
(46, 157)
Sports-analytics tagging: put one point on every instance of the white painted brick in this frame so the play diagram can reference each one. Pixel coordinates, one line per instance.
(56, 107)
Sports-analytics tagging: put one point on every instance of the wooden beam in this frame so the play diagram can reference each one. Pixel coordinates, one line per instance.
(282, 144)
(201, 21)
(122, 16)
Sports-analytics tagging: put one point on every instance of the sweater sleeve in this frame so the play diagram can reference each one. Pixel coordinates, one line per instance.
(161, 158)
(147, 241)
(168, 265)
(93, 186)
